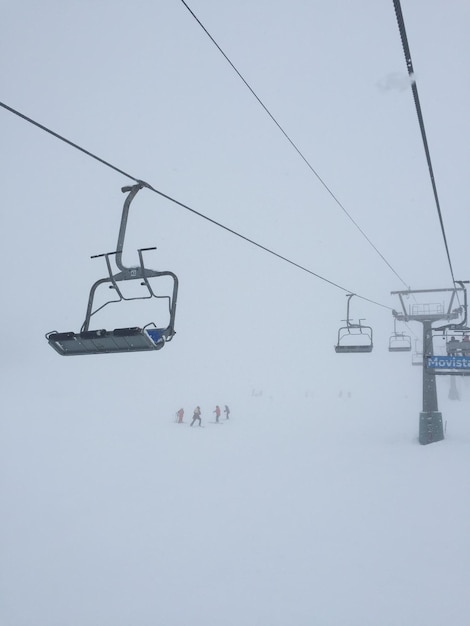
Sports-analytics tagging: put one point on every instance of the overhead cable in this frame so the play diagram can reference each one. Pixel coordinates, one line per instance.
(414, 88)
(184, 206)
(292, 143)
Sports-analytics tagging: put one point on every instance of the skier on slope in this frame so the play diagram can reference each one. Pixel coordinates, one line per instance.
(180, 415)
(197, 416)
(227, 412)
(217, 413)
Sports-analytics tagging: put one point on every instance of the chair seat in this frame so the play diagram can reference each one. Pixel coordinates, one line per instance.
(353, 348)
(107, 342)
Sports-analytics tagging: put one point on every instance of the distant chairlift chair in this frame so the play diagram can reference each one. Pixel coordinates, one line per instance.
(354, 338)
(134, 339)
(399, 342)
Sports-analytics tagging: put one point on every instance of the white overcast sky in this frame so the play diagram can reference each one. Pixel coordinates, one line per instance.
(139, 84)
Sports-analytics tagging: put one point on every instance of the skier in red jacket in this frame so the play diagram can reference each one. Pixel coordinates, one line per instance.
(217, 413)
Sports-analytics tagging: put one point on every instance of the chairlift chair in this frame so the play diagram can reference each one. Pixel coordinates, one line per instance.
(457, 342)
(399, 342)
(132, 339)
(354, 338)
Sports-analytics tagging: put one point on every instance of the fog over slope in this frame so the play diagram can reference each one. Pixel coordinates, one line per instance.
(314, 505)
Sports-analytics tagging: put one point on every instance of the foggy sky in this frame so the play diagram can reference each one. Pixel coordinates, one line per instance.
(140, 85)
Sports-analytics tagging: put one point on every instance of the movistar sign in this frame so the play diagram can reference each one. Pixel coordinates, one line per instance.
(449, 362)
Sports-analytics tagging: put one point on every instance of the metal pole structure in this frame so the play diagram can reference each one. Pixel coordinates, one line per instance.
(430, 419)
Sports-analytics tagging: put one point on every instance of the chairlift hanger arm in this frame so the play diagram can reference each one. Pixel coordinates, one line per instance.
(348, 296)
(348, 321)
(132, 192)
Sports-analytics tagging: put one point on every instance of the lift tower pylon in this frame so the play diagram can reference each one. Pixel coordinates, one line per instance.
(430, 418)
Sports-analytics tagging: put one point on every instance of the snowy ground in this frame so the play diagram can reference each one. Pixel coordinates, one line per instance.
(309, 509)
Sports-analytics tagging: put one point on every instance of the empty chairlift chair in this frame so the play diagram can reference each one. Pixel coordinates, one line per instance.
(147, 337)
(399, 342)
(354, 338)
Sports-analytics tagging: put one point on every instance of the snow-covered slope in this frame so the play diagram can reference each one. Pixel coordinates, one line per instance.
(314, 508)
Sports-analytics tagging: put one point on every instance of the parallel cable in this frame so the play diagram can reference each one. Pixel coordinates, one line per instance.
(414, 88)
(294, 145)
(185, 206)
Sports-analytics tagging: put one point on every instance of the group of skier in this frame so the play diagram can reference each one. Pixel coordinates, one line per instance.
(197, 415)
(217, 413)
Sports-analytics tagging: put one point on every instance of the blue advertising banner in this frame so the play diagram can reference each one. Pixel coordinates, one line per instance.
(448, 362)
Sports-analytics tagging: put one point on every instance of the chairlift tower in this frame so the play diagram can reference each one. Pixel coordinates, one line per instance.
(430, 419)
